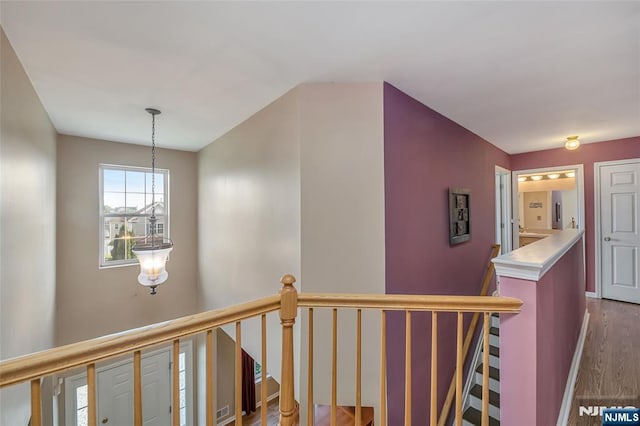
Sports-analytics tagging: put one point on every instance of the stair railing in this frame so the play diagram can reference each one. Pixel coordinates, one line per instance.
(456, 380)
(32, 368)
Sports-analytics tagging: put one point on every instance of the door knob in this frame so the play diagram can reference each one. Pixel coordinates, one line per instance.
(105, 420)
(607, 238)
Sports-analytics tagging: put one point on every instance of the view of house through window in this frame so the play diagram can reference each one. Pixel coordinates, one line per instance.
(126, 204)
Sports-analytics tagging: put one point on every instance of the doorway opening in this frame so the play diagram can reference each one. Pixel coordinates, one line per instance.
(114, 390)
(546, 201)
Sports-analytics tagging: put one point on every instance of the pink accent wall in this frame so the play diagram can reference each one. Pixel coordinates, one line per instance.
(587, 155)
(537, 345)
(425, 155)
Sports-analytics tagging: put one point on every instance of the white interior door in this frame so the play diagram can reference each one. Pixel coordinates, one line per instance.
(115, 392)
(156, 390)
(620, 238)
(115, 395)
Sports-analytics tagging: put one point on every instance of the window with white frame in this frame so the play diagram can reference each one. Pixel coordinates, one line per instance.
(126, 204)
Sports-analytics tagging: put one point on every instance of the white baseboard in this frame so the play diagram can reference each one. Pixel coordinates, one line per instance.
(565, 408)
(258, 404)
(591, 294)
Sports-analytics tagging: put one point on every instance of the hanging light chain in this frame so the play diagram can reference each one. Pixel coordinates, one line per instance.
(153, 165)
(152, 219)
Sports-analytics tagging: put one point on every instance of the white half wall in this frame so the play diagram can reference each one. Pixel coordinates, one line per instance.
(27, 227)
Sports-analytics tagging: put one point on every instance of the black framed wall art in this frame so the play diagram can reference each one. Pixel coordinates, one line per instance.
(459, 216)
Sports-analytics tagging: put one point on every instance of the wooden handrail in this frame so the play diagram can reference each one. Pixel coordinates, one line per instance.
(36, 365)
(62, 358)
(403, 302)
(87, 353)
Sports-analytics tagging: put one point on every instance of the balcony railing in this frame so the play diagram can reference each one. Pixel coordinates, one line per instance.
(86, 354)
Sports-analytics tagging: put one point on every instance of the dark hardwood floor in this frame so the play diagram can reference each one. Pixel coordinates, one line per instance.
(609, 371)
(273, 415)
(323, 415)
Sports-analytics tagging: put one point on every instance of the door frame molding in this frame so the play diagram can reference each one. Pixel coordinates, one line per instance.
(507, 214)
(597, 235)
(580, 205)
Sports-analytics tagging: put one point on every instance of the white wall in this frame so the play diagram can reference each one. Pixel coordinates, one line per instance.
(569, 207)
(299, 188)
(91, 301)
(27, 227)
(249, 217)
(343, 233)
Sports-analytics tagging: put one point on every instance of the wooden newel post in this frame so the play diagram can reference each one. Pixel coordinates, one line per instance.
(288, 312)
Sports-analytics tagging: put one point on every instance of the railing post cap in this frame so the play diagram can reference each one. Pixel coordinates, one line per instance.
(288, 279)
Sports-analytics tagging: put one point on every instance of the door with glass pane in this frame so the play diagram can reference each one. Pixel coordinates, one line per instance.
(114, 390)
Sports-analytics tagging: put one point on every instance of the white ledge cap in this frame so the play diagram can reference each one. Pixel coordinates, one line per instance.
(532, 261)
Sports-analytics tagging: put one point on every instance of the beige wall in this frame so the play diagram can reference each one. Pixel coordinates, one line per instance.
(276, 195)
(225, 369)
(249, 217)
(27, 226)
(92, 301)
(343, 229)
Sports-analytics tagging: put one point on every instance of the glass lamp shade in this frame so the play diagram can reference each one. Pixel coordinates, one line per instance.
(572, 143)
(152, 264)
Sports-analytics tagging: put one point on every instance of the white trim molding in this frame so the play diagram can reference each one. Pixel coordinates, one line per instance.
(592, 294)
(532, 261)
(567, 399)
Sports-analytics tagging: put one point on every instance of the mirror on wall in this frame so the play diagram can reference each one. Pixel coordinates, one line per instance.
(548, 201)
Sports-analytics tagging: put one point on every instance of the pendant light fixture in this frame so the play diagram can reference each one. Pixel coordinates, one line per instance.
(572, 143)
(152, 253)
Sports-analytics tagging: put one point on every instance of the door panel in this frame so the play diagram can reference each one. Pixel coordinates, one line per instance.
(115, 395)
(115, 392)
(624, 261)
(156, 390)
(619, 194)
(624, 215)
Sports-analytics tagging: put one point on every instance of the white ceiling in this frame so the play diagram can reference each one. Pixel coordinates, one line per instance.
(523, 75)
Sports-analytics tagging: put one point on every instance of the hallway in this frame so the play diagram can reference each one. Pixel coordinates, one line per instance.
(609, 372)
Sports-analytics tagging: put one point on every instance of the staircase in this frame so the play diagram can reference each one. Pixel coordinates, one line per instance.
(473, 402)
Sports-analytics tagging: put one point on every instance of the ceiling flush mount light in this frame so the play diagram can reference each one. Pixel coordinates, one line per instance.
(153, 251)
(570, 174)
(536, 177)
(572, 143)
(553, 176)
(522, 179)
